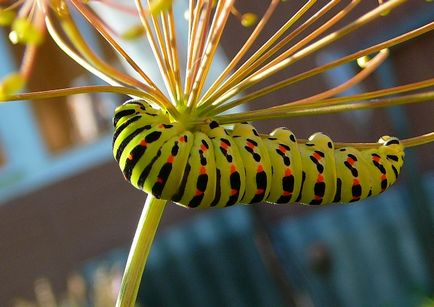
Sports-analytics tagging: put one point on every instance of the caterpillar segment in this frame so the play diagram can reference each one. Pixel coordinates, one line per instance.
(353, 173)
(318, 170)
(256, 163)
(209, 166)
(230, 169)
(286, 167)
(199, 173)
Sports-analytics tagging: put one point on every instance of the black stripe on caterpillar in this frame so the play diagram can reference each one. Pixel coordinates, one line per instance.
(209, 166)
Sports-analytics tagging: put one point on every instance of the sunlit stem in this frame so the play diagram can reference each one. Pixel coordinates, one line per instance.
(139, 251)
(308, 38)
(211, 93)
(193, 23)
(171, 51)
(174, 53)
(150, 93)
(380, 103)
(369, 68)
(162, 65)
(293, 34)
(197, 43)
(263, 74)
(313, 72)
(28, 60)
(407, 143)
(31, 49)
(71, 30)
(246, 47)
(418, 140)
(25, 8)
(99, 26)
(13, 5)
(166, 45)
(219, 21)
(160, 50)
(374, 94)
(79, 90)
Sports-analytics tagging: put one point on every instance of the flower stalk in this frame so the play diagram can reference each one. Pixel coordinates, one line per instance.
(140, 248)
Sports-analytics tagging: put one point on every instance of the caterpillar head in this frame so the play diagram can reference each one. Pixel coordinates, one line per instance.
(391, 145)
(387, 140)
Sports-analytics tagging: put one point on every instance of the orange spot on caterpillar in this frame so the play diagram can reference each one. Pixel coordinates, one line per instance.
(203, 148)
(224, 145)
(320, 178)
(160, 180)
(170, 159)
(250, 144)
(183, 139)
(383, 177)
(260, 168)
(286, 193)
(316, 156)
(260, 191)
(376, 158)
(130, 157)
(198, 192)
(288, 172)
(282, 149)
(351, 161)
(202, 170)
(233, 168)
(319, 198)
(143, 143)
(234, 192)
(356, 182)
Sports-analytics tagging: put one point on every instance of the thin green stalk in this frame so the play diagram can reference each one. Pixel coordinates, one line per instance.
(268, 114)
(215, 91)
(139, 251)
(215, 108)
(63, 92)
(272, 68)
(408, 143)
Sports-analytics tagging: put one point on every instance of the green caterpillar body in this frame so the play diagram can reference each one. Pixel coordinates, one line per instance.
(209, 166)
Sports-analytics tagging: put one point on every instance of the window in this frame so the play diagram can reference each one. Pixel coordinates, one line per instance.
(3, 158)
(74, 120)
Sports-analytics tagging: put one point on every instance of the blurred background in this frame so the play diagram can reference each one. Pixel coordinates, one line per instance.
(68, 217)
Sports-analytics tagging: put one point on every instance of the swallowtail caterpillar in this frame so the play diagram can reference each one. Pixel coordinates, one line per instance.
(209, 166)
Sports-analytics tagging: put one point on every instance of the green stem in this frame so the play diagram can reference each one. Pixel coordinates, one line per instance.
(139, 251)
